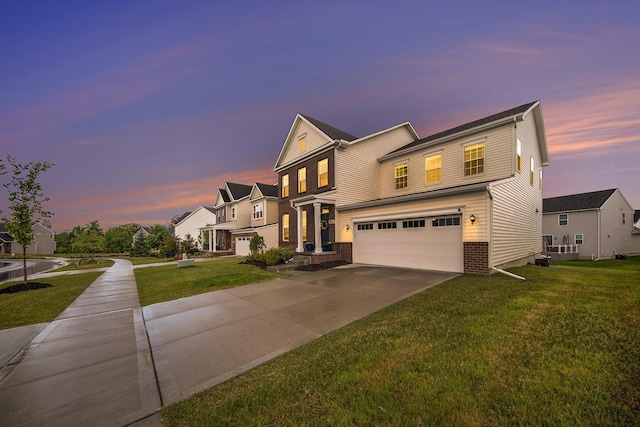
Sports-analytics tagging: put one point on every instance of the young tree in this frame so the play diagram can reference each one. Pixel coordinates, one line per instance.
(25, 202)
(90, 240)
(170, 246)
(156, 237)
(140, 247)
(118, 239)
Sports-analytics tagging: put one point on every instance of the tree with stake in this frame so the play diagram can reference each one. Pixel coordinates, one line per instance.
(26, 199)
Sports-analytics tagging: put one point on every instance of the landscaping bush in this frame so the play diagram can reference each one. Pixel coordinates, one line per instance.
(272, 256)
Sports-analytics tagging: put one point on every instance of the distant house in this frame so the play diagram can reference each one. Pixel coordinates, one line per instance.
(142, 232)
(463, 200)
(191, 223)
(43, 244)
(592, 225)
(242, 211)
(636, 222)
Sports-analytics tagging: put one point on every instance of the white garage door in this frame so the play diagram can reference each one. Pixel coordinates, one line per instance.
(242, 246)
(424, 243)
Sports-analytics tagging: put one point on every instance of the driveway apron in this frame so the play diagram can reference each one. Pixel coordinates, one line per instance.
(90, 366)
(203, 340)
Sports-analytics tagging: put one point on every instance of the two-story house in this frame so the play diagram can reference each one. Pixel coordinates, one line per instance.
(465, 200)
(593, 225)
(241, 212)
(43, 241)
(189, 225)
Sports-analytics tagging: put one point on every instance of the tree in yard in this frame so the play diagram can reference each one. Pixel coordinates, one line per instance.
(118, 239)
(187, 243)
(140, 247)
(156, 237)
(170, 246)
(90, 240)
(25, 202)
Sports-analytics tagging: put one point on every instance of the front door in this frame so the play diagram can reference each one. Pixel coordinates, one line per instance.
(324, 225)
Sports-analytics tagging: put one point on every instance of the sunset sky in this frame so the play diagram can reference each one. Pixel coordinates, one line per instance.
(148, 107)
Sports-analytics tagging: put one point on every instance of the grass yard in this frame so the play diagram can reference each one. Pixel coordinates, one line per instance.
(42, 305)
(560, 349)
(166, 283)
(84, 264)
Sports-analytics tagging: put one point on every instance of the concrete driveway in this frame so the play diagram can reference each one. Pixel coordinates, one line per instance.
(201, 341)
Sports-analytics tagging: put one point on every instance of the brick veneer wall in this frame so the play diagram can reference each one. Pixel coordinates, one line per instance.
(345, 251)
(476, 258)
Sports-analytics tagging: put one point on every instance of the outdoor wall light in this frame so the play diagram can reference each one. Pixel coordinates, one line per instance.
(347, 227)
(472, 218)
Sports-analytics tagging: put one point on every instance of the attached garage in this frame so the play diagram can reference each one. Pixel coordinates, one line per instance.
(428, 243)
(242, 245)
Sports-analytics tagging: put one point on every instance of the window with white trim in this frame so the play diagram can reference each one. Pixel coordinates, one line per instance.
(579, 239)
(302, 180)
(302, 143)
(323, 172)
(433, 168)
(540, 178)
(401, 176)
(563, 219)
(257, 211)
(519, 156)
(304, 224)
(532, 170)
(233, 213)
(285, 185)
(624, 218)
(474, 159)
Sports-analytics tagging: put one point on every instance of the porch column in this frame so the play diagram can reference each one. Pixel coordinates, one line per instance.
(211, 240)
(300, 247)
(317, 212)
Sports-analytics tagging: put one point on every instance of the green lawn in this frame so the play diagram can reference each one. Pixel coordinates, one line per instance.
(559, 349)
(42, 305)
(167, 282)
(85, 264)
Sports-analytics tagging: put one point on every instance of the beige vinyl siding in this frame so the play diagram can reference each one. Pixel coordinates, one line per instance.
(497, 164)
(517, 227)
(469, 204)
(584, 222)
(271, 213)
(357, 169)
(616, 237)
(314, 139)
(244, 213)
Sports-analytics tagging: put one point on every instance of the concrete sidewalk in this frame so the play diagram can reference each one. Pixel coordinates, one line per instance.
(90, 366)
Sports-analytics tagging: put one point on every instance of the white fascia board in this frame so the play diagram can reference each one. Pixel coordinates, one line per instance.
(326, 147)
(391, 129)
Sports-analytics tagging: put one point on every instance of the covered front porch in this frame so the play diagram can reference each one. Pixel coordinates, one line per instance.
(315, 221)
(216, 238)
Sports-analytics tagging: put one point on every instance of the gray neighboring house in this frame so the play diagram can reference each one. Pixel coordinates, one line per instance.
(44, 242)
(594, 225)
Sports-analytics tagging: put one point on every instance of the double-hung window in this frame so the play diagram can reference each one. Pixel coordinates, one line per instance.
(579, 239)
(257, 211)
(519, 156)
(304, 224)
(474, 159)
(302, 141)
(302, 180)
(285, 185)
(323, 173)
(401, 176)
(532, 171)
(433, 168)
(563, 219)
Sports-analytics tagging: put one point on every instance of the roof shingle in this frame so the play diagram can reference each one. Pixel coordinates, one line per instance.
(329, 130)
(576, 202)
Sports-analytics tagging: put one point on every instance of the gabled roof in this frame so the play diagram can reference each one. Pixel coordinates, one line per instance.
(238, 191)
(577, 202)
(329, 130)
(504, 116)
(4, 233)
(189, 214)
(268, 190)
(224, 195)
(636, 216)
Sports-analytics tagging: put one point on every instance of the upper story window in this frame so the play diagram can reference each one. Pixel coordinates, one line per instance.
(540, 178)
(401, 177)
(285, 185)
(257, 211)
(624, 218)
(285, 227)
(233, 213)
(519, 156)
(433, 168)
(532, 171)
(474, 159)
(302, 180)
(323, 172)
(302, 143)
(563, 219)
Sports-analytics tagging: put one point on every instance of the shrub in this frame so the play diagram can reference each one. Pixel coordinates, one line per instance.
(256, 244)
(272, 256)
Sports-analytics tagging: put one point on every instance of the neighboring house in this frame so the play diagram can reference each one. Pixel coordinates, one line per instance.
(463, 200)
(636, 222)
(43, 244)
(191, 224)
(263, 200)
(233, 211)
(592, 225)
(142, 232)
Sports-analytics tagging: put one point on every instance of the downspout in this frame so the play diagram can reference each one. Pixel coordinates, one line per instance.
(508, 273)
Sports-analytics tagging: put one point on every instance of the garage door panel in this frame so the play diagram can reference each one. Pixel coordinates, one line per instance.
(428, 247)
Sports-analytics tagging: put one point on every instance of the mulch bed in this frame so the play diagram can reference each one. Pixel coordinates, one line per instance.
(20, 287)
(321, 266)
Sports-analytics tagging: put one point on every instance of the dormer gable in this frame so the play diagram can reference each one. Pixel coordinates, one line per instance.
(307, 137)
(263, 191)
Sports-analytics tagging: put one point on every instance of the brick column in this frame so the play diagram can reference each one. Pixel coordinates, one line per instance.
(476, 258)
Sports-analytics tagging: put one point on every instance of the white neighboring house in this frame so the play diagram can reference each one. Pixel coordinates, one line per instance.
(190, 225)
(264, 219)
(598, 224)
